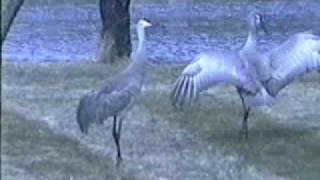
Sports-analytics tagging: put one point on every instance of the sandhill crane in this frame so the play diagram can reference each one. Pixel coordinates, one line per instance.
(230, 66)
(118, 96)
(258, 77)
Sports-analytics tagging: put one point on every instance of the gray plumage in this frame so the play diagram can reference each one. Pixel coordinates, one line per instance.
(297, 56)
(258, 77)
(231, 67)
(118, 96)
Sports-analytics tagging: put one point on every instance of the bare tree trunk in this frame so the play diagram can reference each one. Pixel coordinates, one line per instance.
(115, 40)
(9, 10)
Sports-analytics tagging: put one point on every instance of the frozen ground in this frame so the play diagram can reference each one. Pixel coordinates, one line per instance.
(41, 140)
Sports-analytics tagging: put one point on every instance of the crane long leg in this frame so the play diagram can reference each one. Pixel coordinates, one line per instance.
(116, 137)
(119, 128)
(246, 111)
(245, 123)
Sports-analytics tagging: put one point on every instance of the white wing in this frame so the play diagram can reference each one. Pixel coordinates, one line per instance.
(207, 70)
(292, 59)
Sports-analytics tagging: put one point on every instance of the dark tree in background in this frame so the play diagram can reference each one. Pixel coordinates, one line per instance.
(115, 40)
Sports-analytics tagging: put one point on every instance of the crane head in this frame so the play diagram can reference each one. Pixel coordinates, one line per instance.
(144, 23)
(257, 21)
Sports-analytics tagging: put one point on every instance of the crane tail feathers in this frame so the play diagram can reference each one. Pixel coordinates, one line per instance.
(82, 114)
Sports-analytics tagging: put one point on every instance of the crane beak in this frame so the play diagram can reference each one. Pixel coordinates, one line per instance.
(148, 24)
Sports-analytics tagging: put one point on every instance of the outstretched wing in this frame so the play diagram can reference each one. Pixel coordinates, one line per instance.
(207, 70)
(292, 59)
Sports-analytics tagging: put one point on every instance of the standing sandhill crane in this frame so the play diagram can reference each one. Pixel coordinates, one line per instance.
(117, 97)
(258, 77)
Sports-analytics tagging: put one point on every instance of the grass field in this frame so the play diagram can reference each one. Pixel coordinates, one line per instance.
(41, 140)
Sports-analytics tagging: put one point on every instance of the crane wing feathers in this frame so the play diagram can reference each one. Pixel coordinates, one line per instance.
(205, 71)
(97, 106)
(114, 102)
(292, 59)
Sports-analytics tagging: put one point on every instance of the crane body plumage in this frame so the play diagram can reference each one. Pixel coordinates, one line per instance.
(118, 96)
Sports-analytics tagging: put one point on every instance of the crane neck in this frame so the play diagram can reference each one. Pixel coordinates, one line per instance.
(138, 57)
(141, 38)
(252, 38)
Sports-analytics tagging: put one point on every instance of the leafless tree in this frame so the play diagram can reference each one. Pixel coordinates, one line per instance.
(114, 40)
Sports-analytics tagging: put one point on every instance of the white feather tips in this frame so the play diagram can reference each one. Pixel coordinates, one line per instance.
(185, 91)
